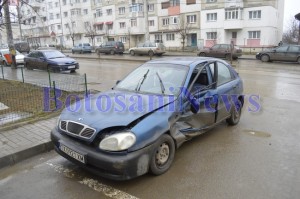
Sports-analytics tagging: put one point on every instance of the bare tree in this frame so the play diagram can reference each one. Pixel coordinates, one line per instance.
(91, 32)
(183, 28)
(291, 35)
(71, 30)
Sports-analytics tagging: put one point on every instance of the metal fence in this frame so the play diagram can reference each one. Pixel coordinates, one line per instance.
(34, 94)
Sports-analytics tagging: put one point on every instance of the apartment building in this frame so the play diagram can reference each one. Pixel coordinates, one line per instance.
(248, 23)
(194, 23)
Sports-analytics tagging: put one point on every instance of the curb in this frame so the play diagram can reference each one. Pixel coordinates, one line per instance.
(25, 154)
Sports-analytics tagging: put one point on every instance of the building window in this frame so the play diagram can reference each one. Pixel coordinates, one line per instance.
(85, 11)
(99, 39)
(65, 14)
(158, 38)
(56, 4)
(165, 5)
(255, 14)
(165, 21)
(122, 25)
(189, 2)
(174, 20)
(84, 1)
(75, 12)
(211, 35)
(191, 18)
(51, 16)
(232, 14)
(98, 13)
(170, 37)
(151, 22)
(52, 27)
(121, 10)
(64, 2)
(99, 27)
(57, 16)
(174, 3)
(254, 34)
(211, 1)
(50, 5)
(86, 24)
(109, 11)
(150, 7)
(76, 1)
(211, 17)
(58, 27)
(73, 24)
(109, 26)
(66, 25)
(123, 39)
(136, 8)
(133, 23)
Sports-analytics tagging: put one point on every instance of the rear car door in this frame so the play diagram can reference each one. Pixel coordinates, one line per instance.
(41, 61)
(226, 84)
(293, 53)
(280, 54)
(213, 51)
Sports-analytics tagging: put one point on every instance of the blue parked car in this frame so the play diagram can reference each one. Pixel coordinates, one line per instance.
(137, 126)
(52, 60)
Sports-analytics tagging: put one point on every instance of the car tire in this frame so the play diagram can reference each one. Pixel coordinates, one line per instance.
(112, 52)
(80, 52)
(265, 58)
(236, 112)
(202, 54)
(72, 71)
(132, 53)
(150, 53)
(298, 60)
(163, 155)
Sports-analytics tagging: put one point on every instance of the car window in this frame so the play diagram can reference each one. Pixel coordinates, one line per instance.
(215, 47)
(53, 54)
(294, 49)
(282, 49)
(140, 45)
(33, 55)
(86, 44)
(224, 46)
(39, 54)
(224, 74)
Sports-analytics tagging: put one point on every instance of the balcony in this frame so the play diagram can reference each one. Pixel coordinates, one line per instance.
(233, 24)
(234, 4)
(136, 14)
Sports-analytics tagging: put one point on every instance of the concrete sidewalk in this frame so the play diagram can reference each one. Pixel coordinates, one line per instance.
(25, 141)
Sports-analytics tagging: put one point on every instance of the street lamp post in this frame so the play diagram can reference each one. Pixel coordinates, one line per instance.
(297, 16)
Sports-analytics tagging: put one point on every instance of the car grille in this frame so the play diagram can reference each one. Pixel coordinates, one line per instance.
(76, 129)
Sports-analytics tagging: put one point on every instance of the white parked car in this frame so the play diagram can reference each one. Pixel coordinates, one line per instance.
(5, 62)
(148, 48)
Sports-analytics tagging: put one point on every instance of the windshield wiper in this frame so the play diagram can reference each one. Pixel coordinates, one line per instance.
(161, 84)
(138, 86)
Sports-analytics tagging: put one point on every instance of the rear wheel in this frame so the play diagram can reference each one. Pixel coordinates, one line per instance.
(112, 52)
(132, 53)
(227, 57)
(163, 155)
(73, 52)
(235, 113)
(202, 54)
(265, 58)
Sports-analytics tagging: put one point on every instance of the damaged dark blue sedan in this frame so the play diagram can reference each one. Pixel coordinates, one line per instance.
(136, 127)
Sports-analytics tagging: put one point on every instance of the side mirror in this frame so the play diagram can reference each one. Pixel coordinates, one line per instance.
(118, 81)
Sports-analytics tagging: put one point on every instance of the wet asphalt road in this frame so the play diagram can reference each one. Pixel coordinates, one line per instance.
(258, 158)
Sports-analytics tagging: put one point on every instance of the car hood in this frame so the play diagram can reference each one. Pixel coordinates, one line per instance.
(114, 108)
(63, 60)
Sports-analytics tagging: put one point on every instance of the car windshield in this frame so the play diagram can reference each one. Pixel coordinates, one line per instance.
(155, 78)
(53, 54)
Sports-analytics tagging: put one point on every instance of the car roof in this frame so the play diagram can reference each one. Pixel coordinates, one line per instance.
(186, 61)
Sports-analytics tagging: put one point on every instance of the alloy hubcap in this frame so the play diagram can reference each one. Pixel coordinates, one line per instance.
(162, 154)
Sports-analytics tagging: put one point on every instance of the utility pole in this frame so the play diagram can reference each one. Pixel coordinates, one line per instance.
(62, 29)
(147, 36)
(10, 39)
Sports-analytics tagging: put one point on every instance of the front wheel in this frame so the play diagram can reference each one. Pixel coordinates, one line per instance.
(112, 52)
(202, 55)
(132, 53)
(265, 58)
(163, 155)
(151, 53)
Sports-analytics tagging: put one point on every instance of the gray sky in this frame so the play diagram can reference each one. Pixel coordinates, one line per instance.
(291, 8)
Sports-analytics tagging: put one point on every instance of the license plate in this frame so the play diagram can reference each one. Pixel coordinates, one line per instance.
(69, 67)
(72, 153)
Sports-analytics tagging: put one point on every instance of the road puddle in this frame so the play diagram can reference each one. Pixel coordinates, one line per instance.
(257, 133)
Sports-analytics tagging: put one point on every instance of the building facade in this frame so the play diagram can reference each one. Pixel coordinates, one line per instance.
(193, 23)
